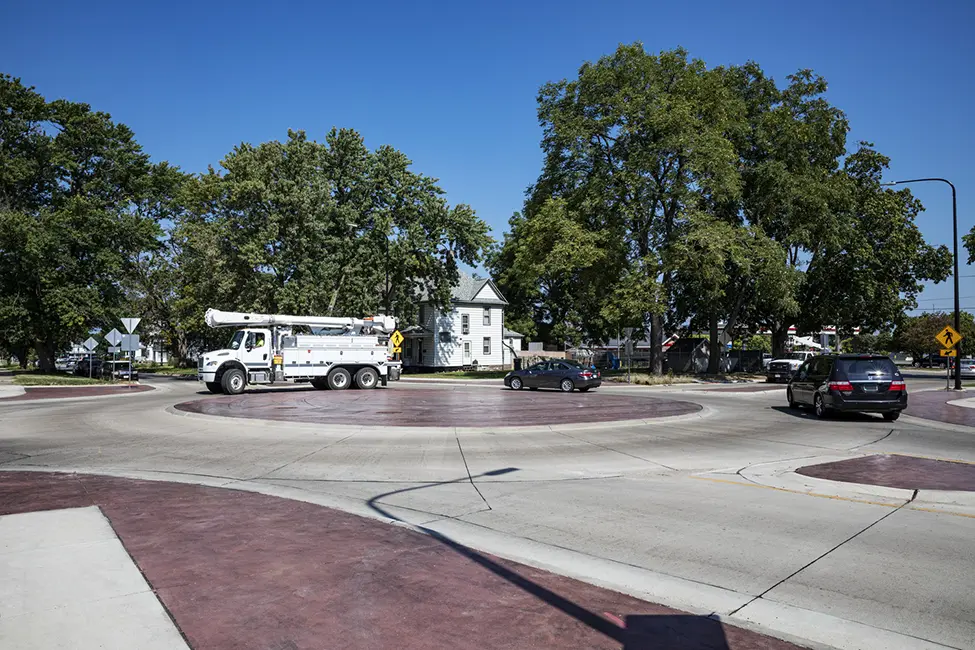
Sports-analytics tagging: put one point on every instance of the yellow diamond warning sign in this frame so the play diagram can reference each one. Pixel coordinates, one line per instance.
(396, 338)
(948, 337)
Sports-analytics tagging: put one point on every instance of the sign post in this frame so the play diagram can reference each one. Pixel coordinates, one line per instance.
(131, 340)
(90, 345)
(628, 331)
(114, 338)
(949, 338)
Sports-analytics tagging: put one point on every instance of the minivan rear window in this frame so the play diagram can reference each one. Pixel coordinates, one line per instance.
(861, 369)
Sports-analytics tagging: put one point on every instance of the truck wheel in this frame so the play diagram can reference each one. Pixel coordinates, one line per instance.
(339, 379)
(214, 387)
(366, 378)
(233, 381)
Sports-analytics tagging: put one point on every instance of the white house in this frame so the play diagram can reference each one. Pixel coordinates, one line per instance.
(471, 334)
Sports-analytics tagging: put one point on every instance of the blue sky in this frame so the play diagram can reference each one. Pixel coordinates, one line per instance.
(453, 84)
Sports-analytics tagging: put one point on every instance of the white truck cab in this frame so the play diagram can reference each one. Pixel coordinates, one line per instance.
(782, 368)
(339, 353)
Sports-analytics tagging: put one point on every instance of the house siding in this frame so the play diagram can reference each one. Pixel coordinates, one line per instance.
(437, 354)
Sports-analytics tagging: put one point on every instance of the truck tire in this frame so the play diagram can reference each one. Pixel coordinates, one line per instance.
(339, 379)
(233, 381)
(214, 387)
(366, 378)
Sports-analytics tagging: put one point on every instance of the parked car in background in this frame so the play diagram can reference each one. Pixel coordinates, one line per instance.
(930, 361)
(81, 369)
(560, 374)
(967, 368)
(64, 364)
(118, 370)
(864, 383)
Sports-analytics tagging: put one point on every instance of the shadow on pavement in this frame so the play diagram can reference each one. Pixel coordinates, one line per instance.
(806, 413)
(635, 632)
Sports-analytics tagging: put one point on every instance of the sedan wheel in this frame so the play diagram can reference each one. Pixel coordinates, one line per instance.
(792, 403)
(516, 384)
(820, 407)
(566, 385)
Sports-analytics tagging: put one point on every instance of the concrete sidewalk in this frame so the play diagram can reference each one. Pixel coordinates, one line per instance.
(245, 570)
(67, 582)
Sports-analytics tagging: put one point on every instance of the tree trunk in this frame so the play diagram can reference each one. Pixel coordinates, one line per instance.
(181, 350)
(656, 344)
(21, 351)
(45, 355)
(780, 334)
(714, 351)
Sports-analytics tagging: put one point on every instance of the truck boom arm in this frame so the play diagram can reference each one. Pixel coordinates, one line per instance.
(217, 318)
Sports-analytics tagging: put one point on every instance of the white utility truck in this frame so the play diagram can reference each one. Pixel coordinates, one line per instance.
(265, 349)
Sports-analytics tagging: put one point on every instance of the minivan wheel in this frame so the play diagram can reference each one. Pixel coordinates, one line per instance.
(516, 384)
(788, 395)
(567, 386)
(820, 407)
(893, 415)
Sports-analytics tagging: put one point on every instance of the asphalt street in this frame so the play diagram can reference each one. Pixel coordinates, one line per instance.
(701, 511)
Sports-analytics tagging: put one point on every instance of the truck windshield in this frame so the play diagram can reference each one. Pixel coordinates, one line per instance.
(237, 340)
(801, 356)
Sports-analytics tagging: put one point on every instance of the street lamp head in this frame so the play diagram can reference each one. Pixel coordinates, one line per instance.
(891, 184)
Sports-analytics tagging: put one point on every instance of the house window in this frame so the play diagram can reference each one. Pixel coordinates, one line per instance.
(487, 315)
(465, 324)
(445, 337)
(487, 345)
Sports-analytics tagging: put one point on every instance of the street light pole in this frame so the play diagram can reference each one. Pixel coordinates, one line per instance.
(954, 243)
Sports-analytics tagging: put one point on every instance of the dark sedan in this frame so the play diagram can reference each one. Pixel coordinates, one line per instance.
(865, 383)
(560, 374)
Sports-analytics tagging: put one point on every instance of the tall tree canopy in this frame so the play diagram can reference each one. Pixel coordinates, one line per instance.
(77, 208)
(715, 195)
(309, 228)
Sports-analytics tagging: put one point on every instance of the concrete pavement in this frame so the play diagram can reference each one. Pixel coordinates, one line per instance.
(67, 582)
(661, 511)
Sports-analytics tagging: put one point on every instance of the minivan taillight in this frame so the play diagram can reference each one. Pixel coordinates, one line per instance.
(841, 386)
(898, 385)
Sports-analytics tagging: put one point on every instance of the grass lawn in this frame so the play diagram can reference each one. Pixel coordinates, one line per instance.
(38, 379)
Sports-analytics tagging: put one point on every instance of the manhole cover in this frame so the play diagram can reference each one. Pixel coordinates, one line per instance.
(905, 472)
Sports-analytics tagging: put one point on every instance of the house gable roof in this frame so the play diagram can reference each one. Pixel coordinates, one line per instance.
(469, 290)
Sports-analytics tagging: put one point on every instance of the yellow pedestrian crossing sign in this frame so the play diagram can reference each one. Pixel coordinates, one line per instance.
(396, 338)
(948, 337)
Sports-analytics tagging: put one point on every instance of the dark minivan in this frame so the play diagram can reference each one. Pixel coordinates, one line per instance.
(865, 383)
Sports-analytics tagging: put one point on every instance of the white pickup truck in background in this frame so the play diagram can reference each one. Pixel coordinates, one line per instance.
(782, 368)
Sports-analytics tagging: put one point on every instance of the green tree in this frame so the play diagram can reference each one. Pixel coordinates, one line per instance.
(546, 264)
(631, 144)
(74, 191)
(721, 268)
(871, 273)
(915, 334)
(320, 228)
